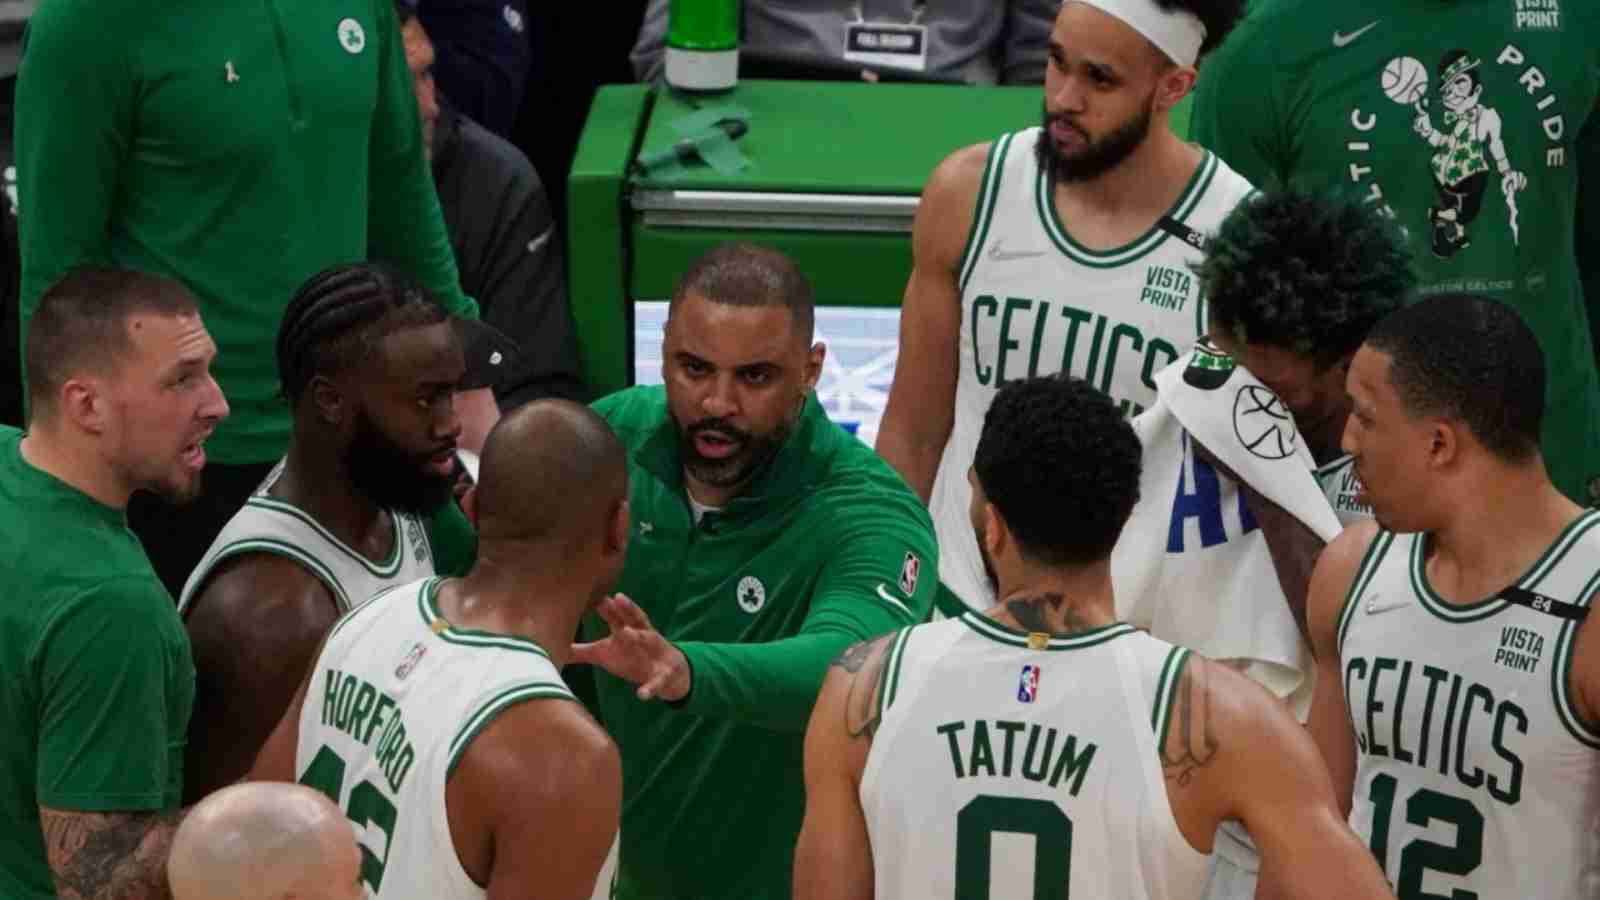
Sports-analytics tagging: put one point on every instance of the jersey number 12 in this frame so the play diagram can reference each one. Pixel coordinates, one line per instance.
(1419, 856)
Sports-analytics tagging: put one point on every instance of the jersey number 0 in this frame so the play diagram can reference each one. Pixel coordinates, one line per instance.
(1052, 846)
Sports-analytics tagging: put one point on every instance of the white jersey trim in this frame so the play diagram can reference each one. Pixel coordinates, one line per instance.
(387, 569)
(983, 212)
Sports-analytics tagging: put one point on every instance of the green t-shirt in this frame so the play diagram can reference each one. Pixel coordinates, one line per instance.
(97, 682)
(827, 547)
(1470, 121)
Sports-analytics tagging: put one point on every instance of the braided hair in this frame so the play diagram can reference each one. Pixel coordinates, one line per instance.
(339, 317)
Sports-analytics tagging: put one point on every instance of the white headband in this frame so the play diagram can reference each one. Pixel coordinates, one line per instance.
(1178, 34)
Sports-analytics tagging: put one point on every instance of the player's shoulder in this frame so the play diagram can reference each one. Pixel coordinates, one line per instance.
(548, 732)
(962, 167)
(1333, 575)
(859, 679)
(258, 594)
(1223, 188)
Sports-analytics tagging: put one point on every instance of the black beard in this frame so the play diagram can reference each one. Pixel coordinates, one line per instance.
(389, 476)
(753, 453)
(1099, 157)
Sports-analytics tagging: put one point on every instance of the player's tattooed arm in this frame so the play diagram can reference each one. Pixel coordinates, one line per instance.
(1191, 738)
(101, 856)
(864, 660)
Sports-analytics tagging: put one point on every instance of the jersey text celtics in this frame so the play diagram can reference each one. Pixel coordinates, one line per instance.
(1036, 302)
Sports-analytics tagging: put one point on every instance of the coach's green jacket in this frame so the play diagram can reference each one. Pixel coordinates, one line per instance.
(827, 547)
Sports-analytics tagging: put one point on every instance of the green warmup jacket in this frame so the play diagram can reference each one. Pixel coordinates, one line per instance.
(827, 547)
(239, 147)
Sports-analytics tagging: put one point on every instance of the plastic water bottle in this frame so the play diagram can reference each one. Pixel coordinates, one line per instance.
(703, 45)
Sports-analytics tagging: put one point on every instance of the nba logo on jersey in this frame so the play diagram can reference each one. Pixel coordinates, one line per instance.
(908, 574)
(1028, 686)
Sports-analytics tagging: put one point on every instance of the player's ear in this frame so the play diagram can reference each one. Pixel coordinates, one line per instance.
(995, 533)
(331, 404)
(83, 401)
(617, 533)
(1173, 83)
(814, 359)
(1444, 442)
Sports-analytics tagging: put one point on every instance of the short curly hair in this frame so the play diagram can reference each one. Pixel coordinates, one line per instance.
(1061, 465)
(1218, 16)
(1471, 359)
(1306, 272)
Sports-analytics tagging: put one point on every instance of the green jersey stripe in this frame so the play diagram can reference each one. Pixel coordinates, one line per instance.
(387, 569)
(1364, 572)
(1141, 246)
(428, 604)
(998, 632)
(1485, 608)
(889, 679)
(1561, 673)
(1167, 693)
(983, 212)
(286, 549)
(533, 690)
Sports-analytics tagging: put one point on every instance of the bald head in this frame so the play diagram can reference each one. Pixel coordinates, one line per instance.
(545, 465)
(265, 841)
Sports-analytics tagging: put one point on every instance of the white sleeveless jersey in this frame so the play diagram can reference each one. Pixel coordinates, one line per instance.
(998, 770)
(268, 525)
(1476, 777)
(1342, 487)
(1034, 302)
(395, 698)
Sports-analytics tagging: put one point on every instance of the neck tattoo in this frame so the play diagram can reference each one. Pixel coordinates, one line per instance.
(1034, 613)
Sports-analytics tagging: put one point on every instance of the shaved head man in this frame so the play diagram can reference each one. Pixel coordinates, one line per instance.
(263, 841)
(437, 707)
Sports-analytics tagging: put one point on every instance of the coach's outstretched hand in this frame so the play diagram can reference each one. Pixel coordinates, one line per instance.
(636, 652)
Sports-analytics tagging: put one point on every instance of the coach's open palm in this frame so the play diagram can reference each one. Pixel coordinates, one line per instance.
(636, 652)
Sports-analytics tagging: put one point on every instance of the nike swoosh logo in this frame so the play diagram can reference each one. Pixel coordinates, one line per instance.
(884, 593)
(1375, 606)
(1341, 39)
(998, 255)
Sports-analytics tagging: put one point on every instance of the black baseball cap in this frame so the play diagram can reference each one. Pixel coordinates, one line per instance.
(489, 352)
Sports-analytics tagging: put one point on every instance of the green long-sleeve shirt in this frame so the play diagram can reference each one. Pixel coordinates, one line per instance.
(827, 547)
(239, 147)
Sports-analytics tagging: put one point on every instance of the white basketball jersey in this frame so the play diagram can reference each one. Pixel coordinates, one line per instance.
(396, 697)
(1476, 777)
(1034, 302)
(999, 770)
(268, 525)
(1342, 487)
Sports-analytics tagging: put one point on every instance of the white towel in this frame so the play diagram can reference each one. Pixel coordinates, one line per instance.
(1191, 566)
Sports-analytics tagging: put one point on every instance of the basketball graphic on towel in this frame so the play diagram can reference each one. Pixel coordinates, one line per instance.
(1405, 79)
(1262, 423)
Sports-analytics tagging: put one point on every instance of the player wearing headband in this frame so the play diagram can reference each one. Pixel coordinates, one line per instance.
(1060, 248)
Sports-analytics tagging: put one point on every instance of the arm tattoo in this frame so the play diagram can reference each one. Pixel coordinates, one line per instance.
(1191, 742)
(864, 661)
(854, 656)
(109, 855)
